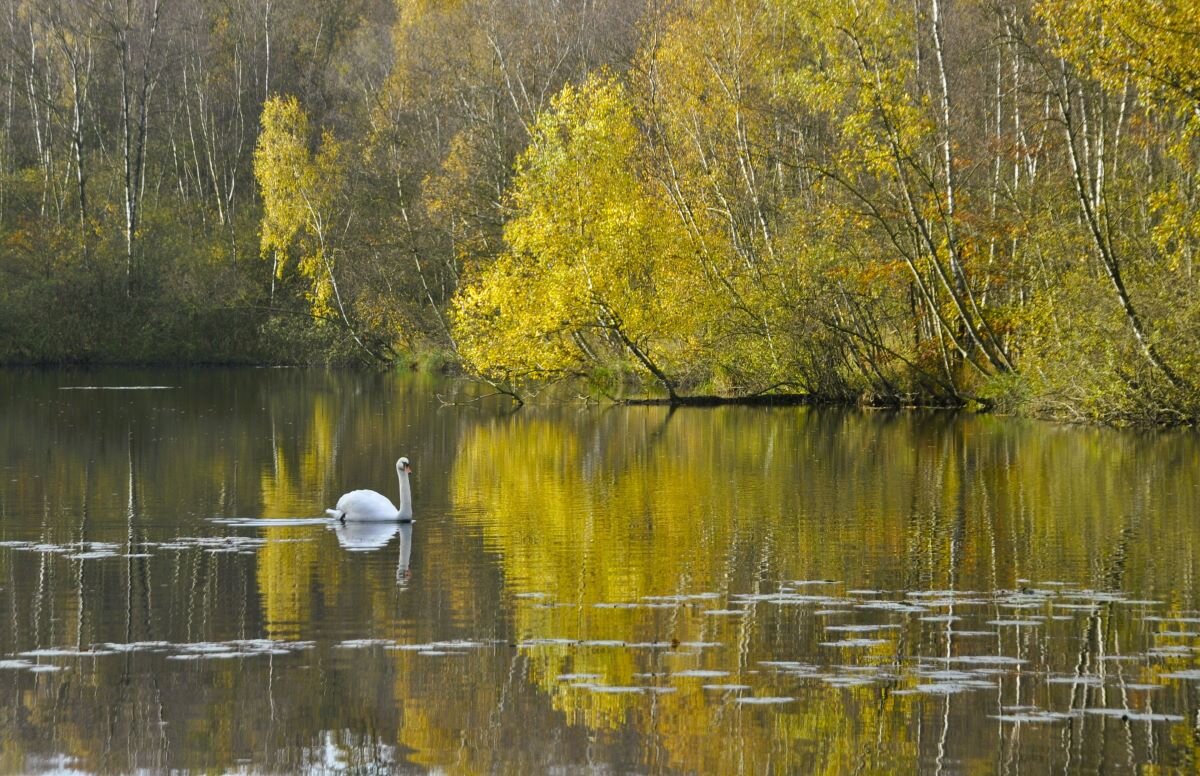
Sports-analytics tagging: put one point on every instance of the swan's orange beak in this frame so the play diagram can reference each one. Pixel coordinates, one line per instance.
(408, 468)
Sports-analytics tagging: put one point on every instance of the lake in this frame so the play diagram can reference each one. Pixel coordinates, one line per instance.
(586, 588)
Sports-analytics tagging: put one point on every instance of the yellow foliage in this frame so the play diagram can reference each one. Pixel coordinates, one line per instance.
(591, 251)
(298, 191)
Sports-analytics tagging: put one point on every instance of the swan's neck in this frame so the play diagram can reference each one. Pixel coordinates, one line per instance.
(405, 511)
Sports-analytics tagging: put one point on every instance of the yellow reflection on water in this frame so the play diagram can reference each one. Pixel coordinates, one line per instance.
(290, 561)
(589, 527)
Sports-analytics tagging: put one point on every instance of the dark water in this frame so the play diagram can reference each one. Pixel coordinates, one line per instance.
(586, 588)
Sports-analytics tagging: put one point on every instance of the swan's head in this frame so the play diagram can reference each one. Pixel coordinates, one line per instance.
(403, 466)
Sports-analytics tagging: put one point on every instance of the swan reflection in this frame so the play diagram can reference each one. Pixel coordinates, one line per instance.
(364, 537)
(403, 571)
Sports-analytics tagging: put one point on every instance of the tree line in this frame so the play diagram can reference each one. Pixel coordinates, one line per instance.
(898, 202)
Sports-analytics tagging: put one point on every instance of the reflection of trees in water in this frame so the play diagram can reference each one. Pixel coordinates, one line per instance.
(600, 508)
(589, 507)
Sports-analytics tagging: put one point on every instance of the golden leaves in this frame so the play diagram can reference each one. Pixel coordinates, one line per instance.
(298, 190)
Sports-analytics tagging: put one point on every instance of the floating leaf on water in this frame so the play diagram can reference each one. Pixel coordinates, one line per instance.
(764, 700)
(781, 598)
(802, 582)
(204, 646)
(236, 648)
(602, 643)
(725, 612)
(1190, 620)
(577, 677)
(1089, 680)
(1176, 634)
(965, 633)
(540, 643)
(1190, 674)
(616, 689)
(1096, 596)
(940, 618)
(531, 595)
(461, 644)
(849, 681)
(797, 599)
(703, 673)
(10, 665)
(726, 687)
(1138, 716)
(683, 597)
(861, 628)
(138, 646)
(44, 668)
(66, 652)
(983, 660)
(891, 606)
(946, 675)
(361, 643)
(1034, 717)
(1026, 621)
(855, 643)
(1170, 651)
(950, 688)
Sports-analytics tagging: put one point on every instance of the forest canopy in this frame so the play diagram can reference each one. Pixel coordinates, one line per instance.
(882, 201)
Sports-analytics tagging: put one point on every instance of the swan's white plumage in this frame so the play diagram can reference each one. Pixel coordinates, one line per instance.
(367, 505)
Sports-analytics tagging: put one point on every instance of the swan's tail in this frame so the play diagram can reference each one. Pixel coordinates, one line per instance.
(336, 514)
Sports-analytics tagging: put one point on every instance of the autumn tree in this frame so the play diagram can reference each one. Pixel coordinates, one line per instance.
(302, 198)
(596, 267)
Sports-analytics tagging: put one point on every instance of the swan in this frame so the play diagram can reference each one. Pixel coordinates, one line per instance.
(368, 505)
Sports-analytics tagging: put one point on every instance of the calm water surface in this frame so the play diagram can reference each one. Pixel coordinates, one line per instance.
(725, 590)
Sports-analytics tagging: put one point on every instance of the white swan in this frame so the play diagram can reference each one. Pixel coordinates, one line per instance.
(368, 505)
